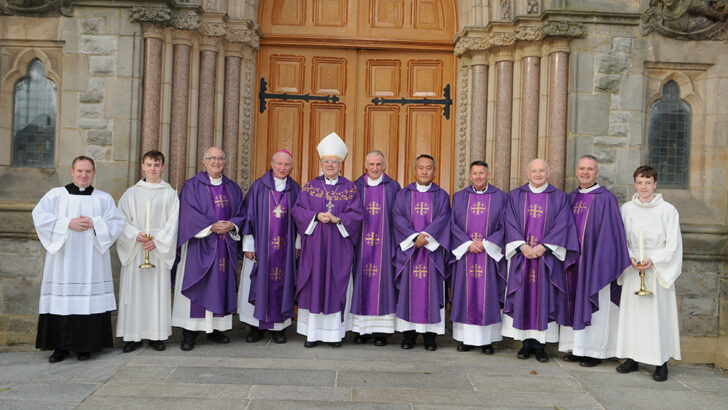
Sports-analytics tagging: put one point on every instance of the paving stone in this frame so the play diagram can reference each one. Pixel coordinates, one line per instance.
(49, 391)
(135, 403)
(35, 405)
(143, 374)
(244, 376)
(638, 379)
(300, 393)
(623, 397)
(531, 383)
(177, 390)
(423, 380)
(292, 404)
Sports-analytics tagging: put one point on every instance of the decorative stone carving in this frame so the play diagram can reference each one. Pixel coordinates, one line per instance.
(529, 33)
(502, 38)
(211, 5)
(505, 9)
(687, 19)
(150, 14)
(461, 133)
(249, 36)
(563, 29)
(245, 141)
(466, 44)
(213, 29)
(532, 7)
(185, 20)
(36, 7)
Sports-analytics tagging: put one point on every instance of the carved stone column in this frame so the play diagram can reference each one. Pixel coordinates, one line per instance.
(479, 89)
(231, 111)
(206, 101)
(530, 83)
(179, 118)
(503, 123)
(558, 107)
(152, 87)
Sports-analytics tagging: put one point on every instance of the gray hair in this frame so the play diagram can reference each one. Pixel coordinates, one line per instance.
(207, 153)
(591, 157)
(375, 152)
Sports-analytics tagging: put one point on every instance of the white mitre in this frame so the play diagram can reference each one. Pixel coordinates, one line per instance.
(332, 146)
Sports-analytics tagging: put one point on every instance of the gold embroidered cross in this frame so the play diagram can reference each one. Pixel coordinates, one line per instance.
(422, 208)
(478, 208)
(371, 239)
(221, 264)
(535, 211)
(276, 274)
(476, 271)
(532, 276)
(420, 271)
(279, 211)
(579, 207)
(221, 201)
(476, 236)
(373, 208)
(277, 242)
(370, 270)
(532, 240)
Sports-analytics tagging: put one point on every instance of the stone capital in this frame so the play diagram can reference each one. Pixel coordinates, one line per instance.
(529, 33)
(563, 29)
(160, 15)
(185, 20)
(245, 32)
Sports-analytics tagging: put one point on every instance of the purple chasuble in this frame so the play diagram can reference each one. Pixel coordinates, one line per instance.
(373, 293)
(536, 287)
(477, 280)
(326, 256)
(210, 278)
(420, 273)
(269, 220)
(603, 258)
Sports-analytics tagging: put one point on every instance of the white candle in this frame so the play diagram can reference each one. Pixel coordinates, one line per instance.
(149, 220)
(642, 247)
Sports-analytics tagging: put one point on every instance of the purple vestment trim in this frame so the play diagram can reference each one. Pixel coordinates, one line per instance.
(371, 249)
(476, 266)
(419, 269)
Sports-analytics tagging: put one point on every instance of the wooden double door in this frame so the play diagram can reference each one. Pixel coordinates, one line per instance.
(344, 83)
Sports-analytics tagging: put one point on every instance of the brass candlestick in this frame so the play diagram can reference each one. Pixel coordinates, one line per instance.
(643, 290)
(146, 264)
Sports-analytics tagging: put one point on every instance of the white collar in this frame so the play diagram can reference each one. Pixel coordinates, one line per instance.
(423, 188)
(216, 181)
(483, 191)
(538, 190)
(375, 182)
(591, 188)
(280, 183)
(331, 181)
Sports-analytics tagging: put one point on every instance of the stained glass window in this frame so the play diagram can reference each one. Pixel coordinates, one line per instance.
(34, 119)
(669, 138)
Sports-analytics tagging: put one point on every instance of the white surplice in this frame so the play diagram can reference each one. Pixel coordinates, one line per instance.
(145, 295)
(77, 271)
(648, 329)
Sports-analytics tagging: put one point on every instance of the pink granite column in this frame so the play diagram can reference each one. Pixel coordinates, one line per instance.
(206, 103)
(479, 111)
(151, 91)
(531, 74)
(231, 114)
(558, 106)
(179, 121)
(503, 124)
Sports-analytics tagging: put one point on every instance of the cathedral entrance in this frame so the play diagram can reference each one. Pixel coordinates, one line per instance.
(362, 70)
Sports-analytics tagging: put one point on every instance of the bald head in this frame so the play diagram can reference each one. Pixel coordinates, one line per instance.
(538, 172)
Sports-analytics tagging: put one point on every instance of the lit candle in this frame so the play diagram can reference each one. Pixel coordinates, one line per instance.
(642, 247)
(149, 221)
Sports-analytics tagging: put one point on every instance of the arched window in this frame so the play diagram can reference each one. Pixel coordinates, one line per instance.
(34, 119)
(669, 140)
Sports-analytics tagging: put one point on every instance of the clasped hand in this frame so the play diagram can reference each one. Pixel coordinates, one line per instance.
(327, 217)
(80, 224)
(533, 252)
(476, 247)
(148, 243)
(422, 240)
(222, 227)
(646, 264)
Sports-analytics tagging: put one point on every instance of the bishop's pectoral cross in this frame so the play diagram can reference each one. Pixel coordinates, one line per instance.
(279, 211)
(330, 205)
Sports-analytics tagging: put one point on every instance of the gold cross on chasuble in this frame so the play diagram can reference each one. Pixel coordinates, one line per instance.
(420, 271)
(221, 264)
(531, 240)
(277, 242)
(370, 270)
(371, 239)
(476, 271)
(535, 211)
(579, 207)
(276, 274)
(476, 236)
(422, 208)
(373, 208)
(532, 275)
(478, 208)
(279, 211)
(221, 201)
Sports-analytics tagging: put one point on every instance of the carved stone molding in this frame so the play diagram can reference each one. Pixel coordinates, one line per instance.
(249, 35)
(245, 141)
(502, 38)
(563, 29)
(150, 14)
(216, 29)
(36, 7)
(533, 7)
(461, 133)
(687, 19)
(529, 33)
(470, 44)
(185, 20)
(505, 9)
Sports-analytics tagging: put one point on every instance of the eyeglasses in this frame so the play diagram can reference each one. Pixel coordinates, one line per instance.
(216, 158)
(330, 161)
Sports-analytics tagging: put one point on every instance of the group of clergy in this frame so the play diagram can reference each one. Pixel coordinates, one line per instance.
(536, 265)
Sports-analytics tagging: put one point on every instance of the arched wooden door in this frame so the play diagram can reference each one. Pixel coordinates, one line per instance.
(360, 69)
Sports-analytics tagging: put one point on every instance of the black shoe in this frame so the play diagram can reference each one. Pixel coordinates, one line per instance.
(131, 346)
(360, 339)
(590, 362)
(408, 341)
(488, 349)
(255, 335)
(279, 336)
(380, 341)
(660, 374)
(58, 356)
(310, 344)
(524, 353)
(218, 337)
(335, 344)
(541, 356)
(83, 356)
(628, 366)
(572, 359)
(157, 345)
(188, 340)
(430, 344)
(462, 347)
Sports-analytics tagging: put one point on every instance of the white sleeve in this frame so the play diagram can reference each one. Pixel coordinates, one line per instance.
(511, 248)
(235, 234)
(298, 241)
(494, 251)
(408, 242)
(311, 226)
(248, 243)
(204, 233)
(432, 243)
(558, 251)
(461, 250)
(342, 230)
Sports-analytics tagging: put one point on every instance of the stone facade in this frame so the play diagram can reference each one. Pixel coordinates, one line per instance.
(572, 79)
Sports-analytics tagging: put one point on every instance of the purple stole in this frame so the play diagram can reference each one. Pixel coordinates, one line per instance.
(535, 220)
(580, 209)
(419, 269)
(476, 264)
(371, 249)
(221, 205)
(277, 233)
